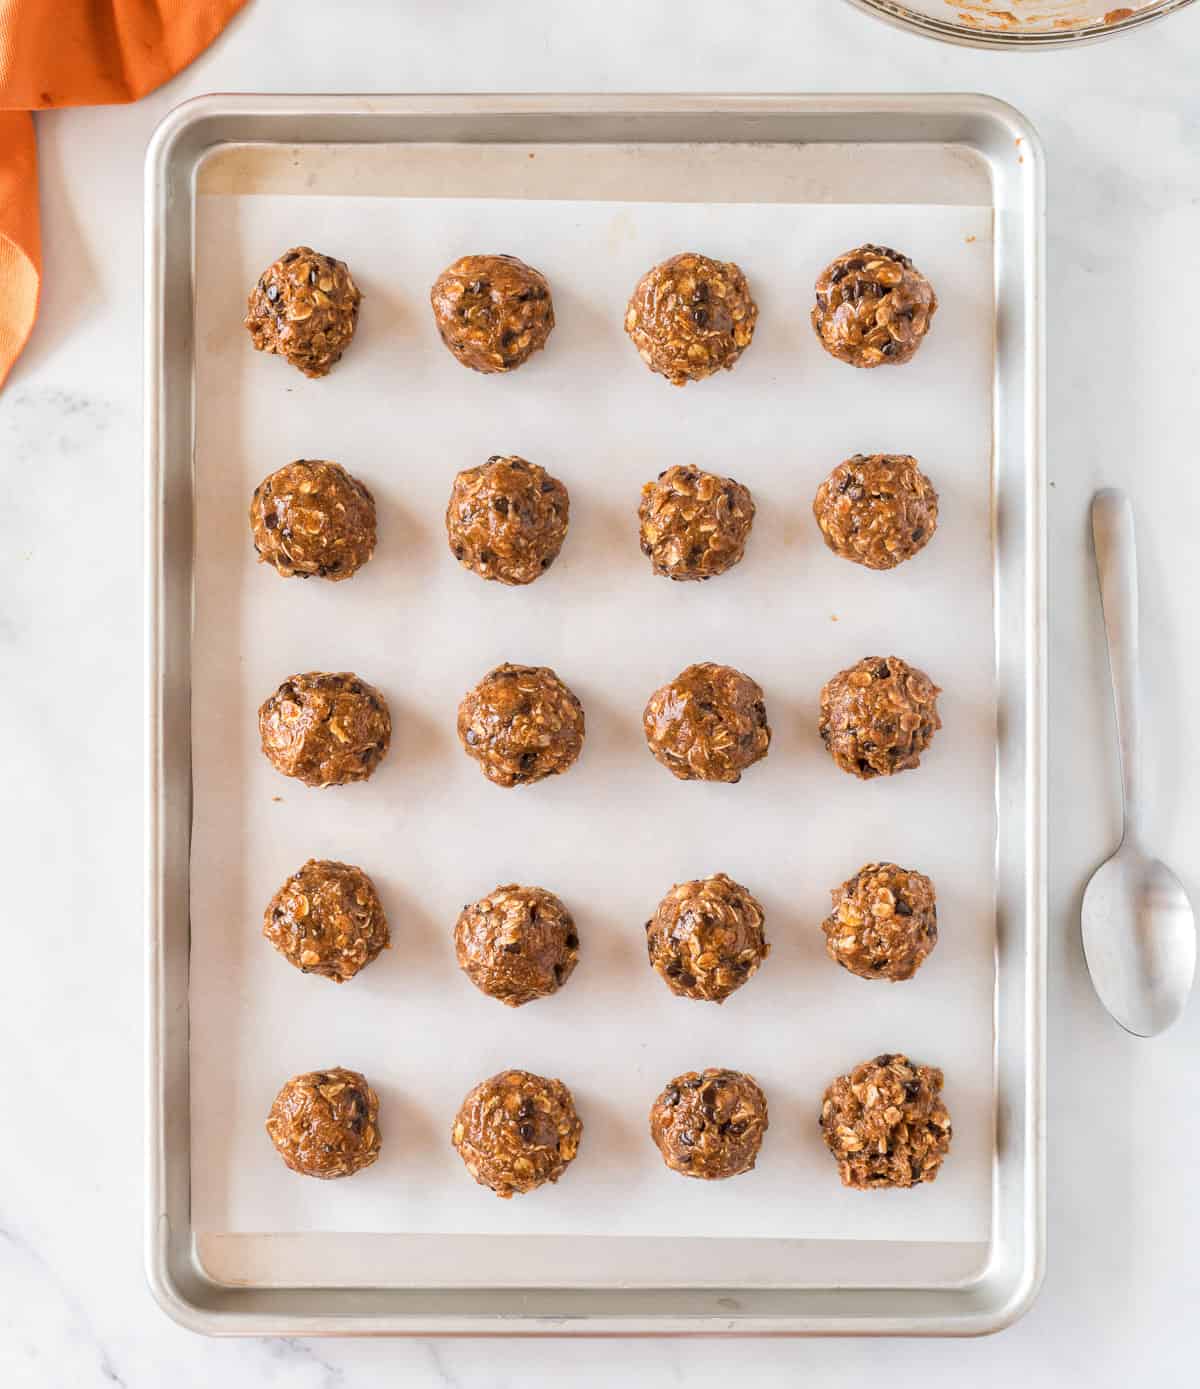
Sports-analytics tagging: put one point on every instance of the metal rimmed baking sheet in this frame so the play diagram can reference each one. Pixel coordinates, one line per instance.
(956, 1287)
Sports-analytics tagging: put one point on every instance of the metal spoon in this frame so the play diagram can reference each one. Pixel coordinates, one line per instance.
(1139, 933)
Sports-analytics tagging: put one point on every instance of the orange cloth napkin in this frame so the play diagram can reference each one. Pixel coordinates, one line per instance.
(74, 53)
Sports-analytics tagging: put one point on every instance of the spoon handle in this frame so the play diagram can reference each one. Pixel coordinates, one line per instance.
(1116, 565)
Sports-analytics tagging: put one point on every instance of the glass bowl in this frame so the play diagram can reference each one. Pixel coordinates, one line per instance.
(1020, 23)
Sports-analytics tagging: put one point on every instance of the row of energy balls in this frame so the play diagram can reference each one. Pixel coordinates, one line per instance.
(688, 317)
(884, 1122)
(507, 519)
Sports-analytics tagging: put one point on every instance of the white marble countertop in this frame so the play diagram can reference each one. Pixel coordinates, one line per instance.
(1121, 124)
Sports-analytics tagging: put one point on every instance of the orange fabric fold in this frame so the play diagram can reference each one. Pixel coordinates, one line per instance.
(74, 53)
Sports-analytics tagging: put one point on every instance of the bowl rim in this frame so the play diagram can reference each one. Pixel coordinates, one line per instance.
(948, 31)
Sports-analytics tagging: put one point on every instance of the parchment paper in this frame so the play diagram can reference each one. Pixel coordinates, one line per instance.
(617, 831)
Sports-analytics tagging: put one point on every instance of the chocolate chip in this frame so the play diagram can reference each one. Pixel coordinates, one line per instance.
(695, 1083)
(674, 969)
(687, 980)
(527, 761)
(548, 484)
(699, 317)
(671, 1097)
(687, 1138)
(459, 551)
(912, 1088)
(881, 671)
(902, 907)
(272, 292)
(885, 1059)
(486, 557)
(513, 947)
(476, 286)
(270, 520)
(312, 277)
(736, 1130)
(471, 737)
(918, 534)
(838, 275)
(889, 349)
(572, 941)
(526, 1132)
(700, 293)
(525, 1109)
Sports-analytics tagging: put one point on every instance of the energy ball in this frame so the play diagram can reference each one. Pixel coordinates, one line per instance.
(324, 1124)
(709, 1124)
(883, 923)
(708, 724)
(691, 316)
(873, 307)
(694, 525)
(517, 944)
(304, 308)
(521, 724)
(312, 517)
(877, 510)
(706, 938)
(517, 1131)
(878, 717)
(885, 1123)
(507, 519)
(327, 919)
(325, 729)
(493, 312)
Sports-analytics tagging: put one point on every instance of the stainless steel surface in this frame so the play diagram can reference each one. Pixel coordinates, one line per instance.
(786, 148)
(1139, 933)
(1003, 24)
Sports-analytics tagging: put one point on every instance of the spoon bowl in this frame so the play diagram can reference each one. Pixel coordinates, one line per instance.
(1139, 937)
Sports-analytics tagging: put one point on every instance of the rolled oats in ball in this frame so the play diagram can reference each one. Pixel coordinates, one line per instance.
(885, 1123)
(693, 524)
(493, 312)
(706, 938)
(709, 1124)
(304, 308)
(507, 519)
(877, 510)
(326, 1123)
(327, 919)
(874, 307)
(521, 724)
(691, 316)
(878, 716)
(708, 724)
(325, 729)
(312, 518)
(517, 944)
(883, 923)
(516, 1131)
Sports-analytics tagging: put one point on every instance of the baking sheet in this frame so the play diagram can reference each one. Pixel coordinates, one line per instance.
(617, 831)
